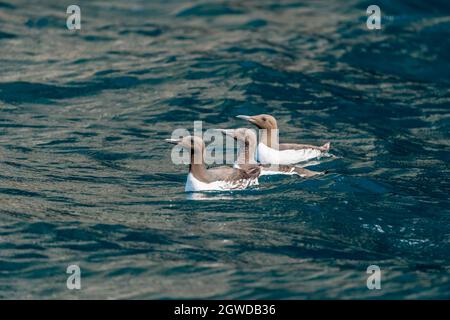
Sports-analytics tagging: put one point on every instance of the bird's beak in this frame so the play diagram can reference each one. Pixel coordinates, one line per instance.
(173, 141)
(248, 118)
(226, 132)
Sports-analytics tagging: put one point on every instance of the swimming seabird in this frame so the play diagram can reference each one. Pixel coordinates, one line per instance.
(246, 158)
(213, 179)
(270, 151)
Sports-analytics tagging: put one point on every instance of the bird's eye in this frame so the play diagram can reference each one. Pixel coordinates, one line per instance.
(264, 119)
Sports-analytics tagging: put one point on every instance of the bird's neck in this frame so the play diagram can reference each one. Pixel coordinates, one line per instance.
(197, 165)
(247, 152)
(269, 137)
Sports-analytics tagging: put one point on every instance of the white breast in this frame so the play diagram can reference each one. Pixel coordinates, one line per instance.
(267, 155)
(193, 184)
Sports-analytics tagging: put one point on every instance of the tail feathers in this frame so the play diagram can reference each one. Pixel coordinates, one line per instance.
(326, 146)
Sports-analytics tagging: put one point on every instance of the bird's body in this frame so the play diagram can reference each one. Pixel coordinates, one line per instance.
(270, 151)
(215, 179)
(269, 170)
(195, 185)
(246, 156)
(287, 154)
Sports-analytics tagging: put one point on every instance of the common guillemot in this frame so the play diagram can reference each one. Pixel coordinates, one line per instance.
(270, 151)
(213, 179)
(247, 151)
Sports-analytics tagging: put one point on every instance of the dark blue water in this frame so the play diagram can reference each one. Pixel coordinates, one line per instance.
(86, 178)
